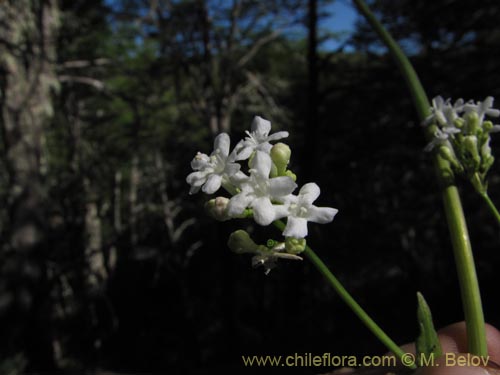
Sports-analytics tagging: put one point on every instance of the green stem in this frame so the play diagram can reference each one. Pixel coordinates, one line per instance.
(479, 186)
(491, 206)
(464, 261)
(462, 250)
(347, 298)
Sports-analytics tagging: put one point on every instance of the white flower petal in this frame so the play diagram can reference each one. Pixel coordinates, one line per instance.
(493, 112)
(213, 184)
(200, 161)
(196, 178)
(263, 211)
(440, 117)
(309, 193)
(451, 130)
(238, 178)
(232, 168)
(278, 135)
(222, 143)
(264, 147)
(321, 215)
(261, 126)
(295, 227)
(261, 162)
(281, 186)
(237, 204)
(244, 153)
(280, 211)
(194, 189)
(438, 102)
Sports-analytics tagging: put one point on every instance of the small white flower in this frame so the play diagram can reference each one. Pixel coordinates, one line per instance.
(258, 139)
(444, 113)
(214, 170)
(301, 210)
(441, 137)
(482, 109)
(258, 191)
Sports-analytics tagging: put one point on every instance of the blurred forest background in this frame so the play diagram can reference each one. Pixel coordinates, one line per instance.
(106, 263)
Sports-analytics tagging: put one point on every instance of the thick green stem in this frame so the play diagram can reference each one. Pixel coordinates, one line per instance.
(469, 286)
(347, 298)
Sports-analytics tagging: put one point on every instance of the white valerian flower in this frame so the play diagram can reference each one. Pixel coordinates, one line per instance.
(214, 170)
(259, 191)
(258, 139)
(482, 109)
(444, 113)
(441, 137)
(301, 210)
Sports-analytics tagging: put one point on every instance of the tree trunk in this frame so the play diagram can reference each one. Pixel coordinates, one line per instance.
(135, 179)
(27, 78)
(94, 256)
(117, 203)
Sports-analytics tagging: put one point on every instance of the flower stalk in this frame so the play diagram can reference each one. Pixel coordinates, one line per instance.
(469, 286)
(483, 192)
(349, 300)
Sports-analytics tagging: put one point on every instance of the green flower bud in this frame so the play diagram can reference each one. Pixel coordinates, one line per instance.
(271, 243)
(274, 171)
(292, 175)
(217, 208)
(459, 122)
(280, 155)
(470, 144)
(486, 149)
(472, 122)
(295, 245)
(487, 126)
(478, 182)
(447, 154)
(487, 163)
(240, 243)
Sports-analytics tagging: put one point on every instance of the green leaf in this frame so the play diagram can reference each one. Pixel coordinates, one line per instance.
(427, 342)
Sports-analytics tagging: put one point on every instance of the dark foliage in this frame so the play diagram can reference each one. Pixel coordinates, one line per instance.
(135, 278)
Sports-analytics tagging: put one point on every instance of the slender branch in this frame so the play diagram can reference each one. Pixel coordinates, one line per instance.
(491, 206)
(462, 249)
(349, 300)
(99, 85)
(85, 63)
(257, 46)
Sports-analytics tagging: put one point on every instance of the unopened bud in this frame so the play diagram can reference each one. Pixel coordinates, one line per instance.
(280, 155)
(459, 122)
(292, 175)
(295, 245)
(486, 149)
(217, 208)
(487, 126)
(241, 243)
(472, 122)
(470, 144)
(447, 154)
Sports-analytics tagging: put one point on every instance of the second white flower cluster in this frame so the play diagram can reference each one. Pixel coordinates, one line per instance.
(462, 134)
(265, 191)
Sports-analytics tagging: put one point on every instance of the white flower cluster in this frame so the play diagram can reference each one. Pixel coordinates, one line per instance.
(450, 118)
(267, 195)
(463, 133)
